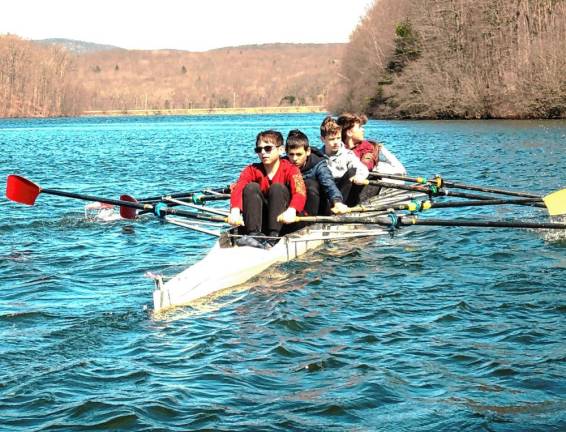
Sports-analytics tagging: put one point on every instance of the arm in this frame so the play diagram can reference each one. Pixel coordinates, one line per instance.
(236, 199)
(361, 170)
(298, 189)
(326, 180)
(298, 195)
(367, 154)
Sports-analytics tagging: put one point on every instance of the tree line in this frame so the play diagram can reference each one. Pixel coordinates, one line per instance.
(417, 59)
(457, 59)
(35, 80)
(40, 80)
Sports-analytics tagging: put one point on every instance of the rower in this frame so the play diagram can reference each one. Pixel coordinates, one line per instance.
(349, 173)
(267, 194)
(374, 155)
(316, 174)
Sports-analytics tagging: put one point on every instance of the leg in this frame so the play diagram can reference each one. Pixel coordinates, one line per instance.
(313, 197)
(350, 191)
(254, 203)
(369, 191)
(312, 206)
(278, 199)
(354, 195)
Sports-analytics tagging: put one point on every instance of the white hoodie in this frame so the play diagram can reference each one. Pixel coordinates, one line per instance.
(343, 160)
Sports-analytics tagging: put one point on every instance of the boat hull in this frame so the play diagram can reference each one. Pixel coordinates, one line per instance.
(226, 265)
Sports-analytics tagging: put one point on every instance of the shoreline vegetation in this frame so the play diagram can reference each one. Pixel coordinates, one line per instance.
(208, 111)
(406, 59)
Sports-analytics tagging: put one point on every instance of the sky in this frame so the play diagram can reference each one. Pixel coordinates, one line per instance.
(192, 25)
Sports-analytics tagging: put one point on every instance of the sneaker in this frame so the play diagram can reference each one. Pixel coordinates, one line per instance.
(252, 241)
(270, 242)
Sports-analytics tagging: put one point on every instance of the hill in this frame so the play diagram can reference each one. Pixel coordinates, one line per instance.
(64, 77)
(76, 46)
(244, 76)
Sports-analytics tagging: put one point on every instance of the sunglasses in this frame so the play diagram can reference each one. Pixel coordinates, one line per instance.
(266, 149)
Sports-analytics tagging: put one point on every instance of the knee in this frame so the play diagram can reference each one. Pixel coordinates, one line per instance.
(313, 188)
(277, 189)
(350, 173)
(251, 189)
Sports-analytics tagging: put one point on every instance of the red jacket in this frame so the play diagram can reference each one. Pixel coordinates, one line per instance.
(367, 153)
(287, 173)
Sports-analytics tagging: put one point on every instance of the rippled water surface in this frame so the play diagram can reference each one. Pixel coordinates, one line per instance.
(433, 329)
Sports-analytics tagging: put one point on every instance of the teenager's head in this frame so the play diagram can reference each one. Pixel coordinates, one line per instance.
(352, 128)
(268, 146)
(297, 147)
(330, 134)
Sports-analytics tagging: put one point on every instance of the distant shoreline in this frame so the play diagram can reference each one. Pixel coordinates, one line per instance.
(207, 111)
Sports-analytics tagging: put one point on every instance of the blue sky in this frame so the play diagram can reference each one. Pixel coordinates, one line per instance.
(193, 25)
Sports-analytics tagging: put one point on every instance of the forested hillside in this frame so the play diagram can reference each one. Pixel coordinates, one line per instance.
(36, 80)
(250, 76)
(457, 59)
(49, 80)
(406, 59)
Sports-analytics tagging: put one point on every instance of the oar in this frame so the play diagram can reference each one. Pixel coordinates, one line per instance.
(402, 220)
(555, 202)
(209, 195)
(205, 209)
(440, 182)
(24, 191)
(418, 206)
(196, 197)
(433, 191)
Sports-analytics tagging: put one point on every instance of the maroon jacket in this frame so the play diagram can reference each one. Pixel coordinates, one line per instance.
(367, 153)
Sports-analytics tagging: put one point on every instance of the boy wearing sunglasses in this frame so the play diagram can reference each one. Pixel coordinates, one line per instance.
(267, 194)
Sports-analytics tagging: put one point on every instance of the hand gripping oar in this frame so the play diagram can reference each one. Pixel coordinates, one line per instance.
(555, 202)
(394, 221)
(24, 191)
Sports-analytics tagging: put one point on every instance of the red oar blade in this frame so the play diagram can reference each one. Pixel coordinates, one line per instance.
(22, 190)
(128, 212)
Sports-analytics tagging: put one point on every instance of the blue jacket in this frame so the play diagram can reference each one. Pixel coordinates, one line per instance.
(316, 167)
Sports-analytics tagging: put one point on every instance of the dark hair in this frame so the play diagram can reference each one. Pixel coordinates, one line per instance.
(329, 126)
(271, 136)
(347, 121)
(296, 139)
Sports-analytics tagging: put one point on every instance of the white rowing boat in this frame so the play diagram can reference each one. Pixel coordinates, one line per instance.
(227, 265)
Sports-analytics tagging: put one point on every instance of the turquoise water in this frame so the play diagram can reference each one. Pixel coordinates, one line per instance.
(433, 329)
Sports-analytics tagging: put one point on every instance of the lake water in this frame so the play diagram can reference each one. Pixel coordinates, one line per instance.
(433, 329)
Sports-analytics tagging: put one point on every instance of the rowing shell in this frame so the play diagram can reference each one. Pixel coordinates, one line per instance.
(227, 265)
